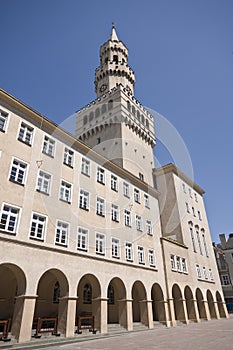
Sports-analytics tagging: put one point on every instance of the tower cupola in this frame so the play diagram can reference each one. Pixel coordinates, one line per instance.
(114, 68)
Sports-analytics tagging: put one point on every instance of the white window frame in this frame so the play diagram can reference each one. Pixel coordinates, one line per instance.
(146, 200)
(36, 218)
(136, 194)
(115, 248)
(211, 274)
(178, 264)
(192, 238)
(199, 239)
(141, 255)
(68, 158)
(126, 190)
(187, 207)
(85, 166)
(28, 132)
(183, 186)
(48, 146)
(100, 175)
(184, 265)
(204, 242)
(151, 258)
(115, 213)
(82, 239)
(149, 229)
(204, 273)
(65, 193)
(225, 280)
(14, 213)
(4, 119)
(138, 222)
(198, 270)
(84, 199)
(100, 243)
(199, 215)
(173, 262)
(44, 181)
(195, 196)
(100, 206)
(20, 170)
(128, 251)
(127, 218)
(62, 233)
(114, 183)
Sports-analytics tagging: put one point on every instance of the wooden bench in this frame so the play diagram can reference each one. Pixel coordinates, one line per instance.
(86, 321)
(4, 329)
(46, 325)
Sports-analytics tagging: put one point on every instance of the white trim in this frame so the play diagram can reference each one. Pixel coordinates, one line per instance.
(7, 119)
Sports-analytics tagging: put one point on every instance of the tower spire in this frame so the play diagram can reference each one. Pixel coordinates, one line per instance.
(113, 36)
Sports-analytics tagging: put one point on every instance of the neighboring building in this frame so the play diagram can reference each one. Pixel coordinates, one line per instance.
(84, 230)
(224, 257)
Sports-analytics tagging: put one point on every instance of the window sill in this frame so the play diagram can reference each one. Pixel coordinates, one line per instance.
(85, 174)
(47, 154)
(65, 201)
(37, 239)
(69, 165)
(16, 182)
(83, 208)
(99, 253)
(82, 249)
(116, 221)
(114, 189)
(101, 182)
(42, 192)
(2, 130)
(61, 244)
(26, 143)
(8, 232)
(99, 214)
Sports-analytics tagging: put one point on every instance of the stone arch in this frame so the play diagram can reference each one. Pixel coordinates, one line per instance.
(158, 304)
(94, 306)
(12, 289)
(201, 304)
(116, 293)
(210, 301)
(190, 304)
(220, 303)
(139, 306)
(178, 303)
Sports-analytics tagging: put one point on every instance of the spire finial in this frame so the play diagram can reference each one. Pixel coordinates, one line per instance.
(113, 36)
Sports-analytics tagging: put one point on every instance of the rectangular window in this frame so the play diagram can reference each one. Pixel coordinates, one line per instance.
(149, 228)
(204, 242)
(85, 168)
(114, 183)
(100, 243)
(100, 206)
(198, 270)
(136, 195)
(194, 214)
(82, 239)
(48, 146)
(128, 251)
(199, 241)
(184, 266)
(225, 280)
(18, 172)
(37, 230)
(195, 196)
(84, 200)
(62, 233)
(65, 192)
(3, 120)
(178, 264)
(141, 257)
(184, 189)
(138, 223)
(9, 219)
(190, 193)
(151, 258)
(25, 133)
(101, 175)
(127, 218)
(205, 273)
(199, 215)
(115, 213)
(126, 189)
(187, 207)
(211, 275)
(68, 157)
(115, 248)
(146, 201)
(173, 262)
(43, 182)
(192, 238)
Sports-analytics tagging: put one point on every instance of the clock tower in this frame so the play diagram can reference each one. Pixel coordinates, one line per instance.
(116, 125)
(114, 68)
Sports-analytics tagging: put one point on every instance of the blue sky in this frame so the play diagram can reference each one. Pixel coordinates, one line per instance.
(182, 55)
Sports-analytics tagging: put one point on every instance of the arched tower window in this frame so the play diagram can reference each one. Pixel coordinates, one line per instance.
(147, 123)
(128, 105)
(103, 108)
(56, 293)
(115, 58)
(133, 110)
(142, 119)
(138, 115)
(85, 119)
(97, 112)
(110, 105)
(106, 60)
(91, 116)
(87, 294)
(111, 296)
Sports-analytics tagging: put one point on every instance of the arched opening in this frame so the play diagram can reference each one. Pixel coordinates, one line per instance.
(103, 108)
(140, 314)
(188, 294)
(97, 112)
(221, 309)
(89, 298)
(158, 307)
(52, 288)
(200, 304)
(110, 105)
(115, 59)
(178, 303)
(210, 300)
(116, 295)
(91, 116)
(13, 285)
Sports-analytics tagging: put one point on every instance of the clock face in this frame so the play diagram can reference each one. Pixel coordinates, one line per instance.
(103, 87)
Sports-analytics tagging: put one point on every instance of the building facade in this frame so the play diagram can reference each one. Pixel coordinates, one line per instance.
(83, 227)
(224, 257)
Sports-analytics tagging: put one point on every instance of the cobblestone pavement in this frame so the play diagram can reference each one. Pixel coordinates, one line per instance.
(212, 335)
